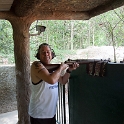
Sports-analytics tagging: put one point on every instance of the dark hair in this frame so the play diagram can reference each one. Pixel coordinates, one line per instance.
(38, 51)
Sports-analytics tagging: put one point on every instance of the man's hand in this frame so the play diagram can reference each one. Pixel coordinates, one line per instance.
(64, 66)
(74, 66)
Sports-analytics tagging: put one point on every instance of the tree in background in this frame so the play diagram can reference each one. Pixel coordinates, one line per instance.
(69, 35)
(6, 42)
(113, 28)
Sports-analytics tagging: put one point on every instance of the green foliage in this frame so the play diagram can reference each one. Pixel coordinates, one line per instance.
(6, 41)
(63, 55)
(66, 36)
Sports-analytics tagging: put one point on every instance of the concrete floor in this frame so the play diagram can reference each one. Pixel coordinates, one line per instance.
(12, 118)
(9, 117)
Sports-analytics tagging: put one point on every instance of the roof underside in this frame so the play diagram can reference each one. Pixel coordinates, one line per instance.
(90, 7)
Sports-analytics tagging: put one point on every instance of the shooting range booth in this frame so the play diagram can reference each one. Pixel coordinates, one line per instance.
(92, 99)
(96, 99)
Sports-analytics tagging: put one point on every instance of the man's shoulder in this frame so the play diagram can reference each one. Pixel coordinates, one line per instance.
(37, 64)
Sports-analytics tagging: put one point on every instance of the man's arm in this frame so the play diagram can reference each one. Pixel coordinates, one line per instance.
(39, 72)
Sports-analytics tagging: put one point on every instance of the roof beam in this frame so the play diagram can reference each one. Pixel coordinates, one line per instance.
(61, 15)
(113, 4)
(29, 6)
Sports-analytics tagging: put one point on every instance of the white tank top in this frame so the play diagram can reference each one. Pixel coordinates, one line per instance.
(43, 100)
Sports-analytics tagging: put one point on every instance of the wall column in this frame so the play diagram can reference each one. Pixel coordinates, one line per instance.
(22, 67)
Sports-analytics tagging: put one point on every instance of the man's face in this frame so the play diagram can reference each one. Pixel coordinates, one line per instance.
(45, 55)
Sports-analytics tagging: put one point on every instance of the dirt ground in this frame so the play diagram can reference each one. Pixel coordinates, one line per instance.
(103, 52)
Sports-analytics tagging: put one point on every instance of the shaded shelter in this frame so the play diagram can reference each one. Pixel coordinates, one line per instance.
(21, 14)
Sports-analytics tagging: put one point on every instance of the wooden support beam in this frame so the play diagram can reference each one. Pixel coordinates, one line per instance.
(61, 15)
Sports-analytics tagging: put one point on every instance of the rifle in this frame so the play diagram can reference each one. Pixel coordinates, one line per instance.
(95, 67)
(70, 62)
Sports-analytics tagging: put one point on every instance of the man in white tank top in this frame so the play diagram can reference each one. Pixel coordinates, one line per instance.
(44, 88)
